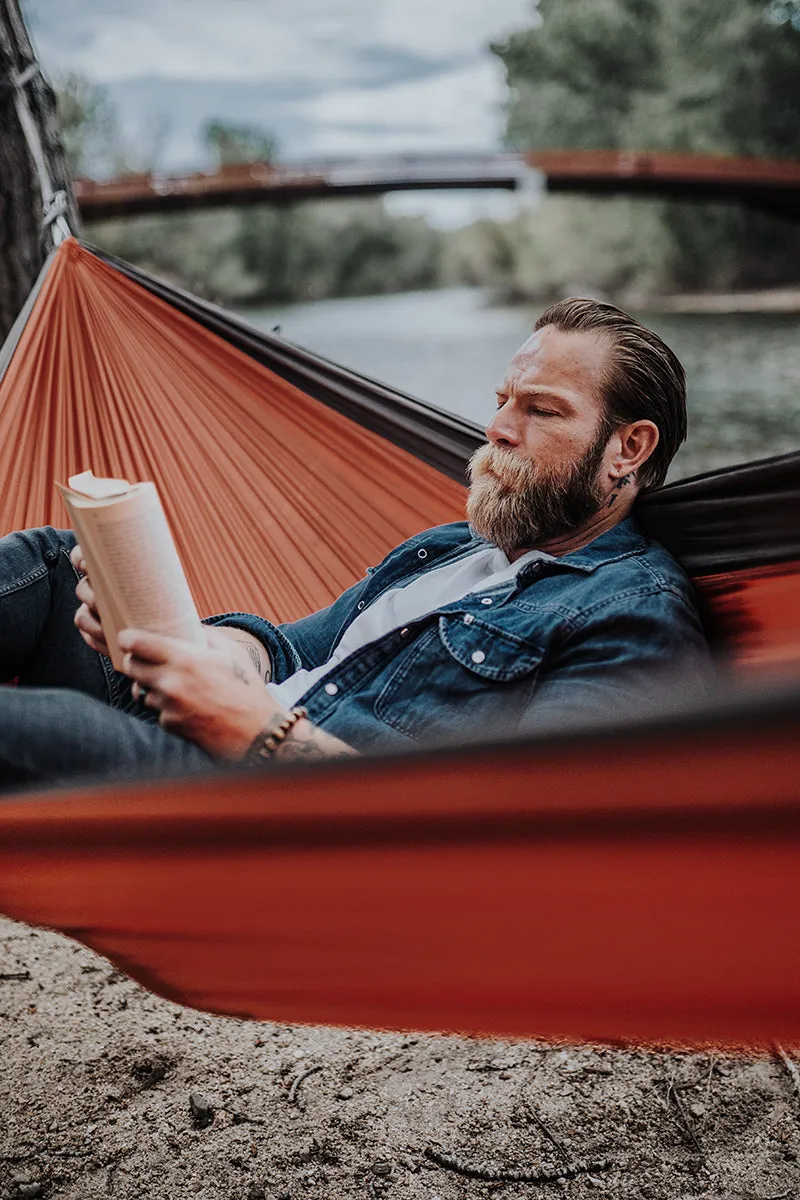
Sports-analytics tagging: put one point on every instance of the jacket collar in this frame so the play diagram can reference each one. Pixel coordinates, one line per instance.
(619, 542)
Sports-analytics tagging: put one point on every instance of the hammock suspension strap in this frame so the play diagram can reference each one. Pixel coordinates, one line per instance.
(54, 203)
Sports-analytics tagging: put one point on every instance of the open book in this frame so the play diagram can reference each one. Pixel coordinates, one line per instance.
(133, 564)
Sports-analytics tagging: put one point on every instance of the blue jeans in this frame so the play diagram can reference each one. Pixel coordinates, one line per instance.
(72, 715)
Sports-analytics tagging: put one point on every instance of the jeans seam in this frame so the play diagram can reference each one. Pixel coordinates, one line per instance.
(32, 577)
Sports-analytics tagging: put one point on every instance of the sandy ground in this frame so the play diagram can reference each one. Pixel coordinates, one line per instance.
(108, 1090)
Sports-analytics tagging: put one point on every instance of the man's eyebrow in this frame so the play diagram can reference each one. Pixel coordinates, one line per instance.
(532, 392)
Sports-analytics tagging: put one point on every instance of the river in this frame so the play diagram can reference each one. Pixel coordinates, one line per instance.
(451, 348)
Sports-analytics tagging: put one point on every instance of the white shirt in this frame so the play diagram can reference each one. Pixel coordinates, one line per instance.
(485, 568)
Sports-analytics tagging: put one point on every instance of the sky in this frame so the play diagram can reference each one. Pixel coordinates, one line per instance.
(327, 77)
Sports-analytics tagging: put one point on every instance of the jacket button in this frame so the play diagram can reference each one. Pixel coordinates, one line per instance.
(422, 554)
(478, 656)
(404, 632)
(360, 605)
(468, 619)
(331, 689)
(486, 600)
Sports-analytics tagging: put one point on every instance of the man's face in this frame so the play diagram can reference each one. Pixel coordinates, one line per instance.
(540, 476)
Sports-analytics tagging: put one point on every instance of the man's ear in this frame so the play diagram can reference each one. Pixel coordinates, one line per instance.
(635, 443)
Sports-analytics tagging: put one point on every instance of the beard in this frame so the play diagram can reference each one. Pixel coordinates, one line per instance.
(520, 506)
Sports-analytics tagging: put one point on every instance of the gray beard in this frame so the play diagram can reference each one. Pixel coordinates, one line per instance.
(519, 506)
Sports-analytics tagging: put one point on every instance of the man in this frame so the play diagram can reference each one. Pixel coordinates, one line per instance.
(548, 608)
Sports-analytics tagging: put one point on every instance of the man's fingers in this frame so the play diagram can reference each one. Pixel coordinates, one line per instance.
(148, 675)
(148, 696)
(88, 623)
(150, 647)
(77, 559)
(85, 592)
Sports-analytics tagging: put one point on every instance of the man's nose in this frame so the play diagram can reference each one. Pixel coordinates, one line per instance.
(502, 430)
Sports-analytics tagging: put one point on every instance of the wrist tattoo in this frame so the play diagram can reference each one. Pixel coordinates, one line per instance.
(306, 742)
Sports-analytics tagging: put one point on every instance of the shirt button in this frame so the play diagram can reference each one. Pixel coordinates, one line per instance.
(404, 632)
(331, 689)
(422, 554)
(468, 619)
(486, 600)
(478, 656)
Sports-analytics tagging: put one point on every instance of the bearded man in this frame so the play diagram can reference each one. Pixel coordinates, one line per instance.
(548, 608)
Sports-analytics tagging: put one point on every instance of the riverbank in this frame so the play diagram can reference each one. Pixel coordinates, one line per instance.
(109, 1091)
(769, 300)
(776, 300)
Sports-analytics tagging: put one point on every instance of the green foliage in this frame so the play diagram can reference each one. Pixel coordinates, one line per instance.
(193, 250)
(574, 78)
(343, 248)
(238, 143)
(89, 126)
(282, 254)
(568, 245)
(719, 76)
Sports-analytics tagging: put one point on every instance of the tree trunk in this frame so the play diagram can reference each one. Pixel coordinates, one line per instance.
(24, 242)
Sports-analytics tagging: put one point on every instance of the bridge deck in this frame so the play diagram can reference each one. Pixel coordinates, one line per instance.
(771, 185)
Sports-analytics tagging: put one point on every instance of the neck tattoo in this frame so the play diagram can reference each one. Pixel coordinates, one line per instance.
(622, 482)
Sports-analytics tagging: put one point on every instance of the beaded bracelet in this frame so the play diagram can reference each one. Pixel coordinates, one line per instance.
(267, 741)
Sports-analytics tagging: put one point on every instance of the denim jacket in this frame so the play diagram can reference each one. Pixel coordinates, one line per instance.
(587, 636)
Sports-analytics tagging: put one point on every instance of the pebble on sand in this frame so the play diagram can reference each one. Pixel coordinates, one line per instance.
(201, 1110)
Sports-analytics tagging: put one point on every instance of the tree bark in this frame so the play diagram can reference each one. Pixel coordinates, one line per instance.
(24, 242)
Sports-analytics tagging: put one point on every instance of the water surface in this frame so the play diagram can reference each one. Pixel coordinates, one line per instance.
(451, 348)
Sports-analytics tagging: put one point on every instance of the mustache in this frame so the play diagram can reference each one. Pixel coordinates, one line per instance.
(510, 470)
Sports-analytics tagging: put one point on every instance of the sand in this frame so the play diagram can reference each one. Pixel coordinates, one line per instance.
(108, 1090)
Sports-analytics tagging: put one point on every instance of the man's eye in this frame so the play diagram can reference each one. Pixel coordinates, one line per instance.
(542, 412)
(501, 401)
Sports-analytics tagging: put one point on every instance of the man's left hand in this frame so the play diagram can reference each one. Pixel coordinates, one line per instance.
(207, 694)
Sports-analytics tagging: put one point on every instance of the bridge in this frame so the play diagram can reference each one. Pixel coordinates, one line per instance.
(770, 185)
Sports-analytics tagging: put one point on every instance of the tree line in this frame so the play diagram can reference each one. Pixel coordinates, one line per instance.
(717, 77)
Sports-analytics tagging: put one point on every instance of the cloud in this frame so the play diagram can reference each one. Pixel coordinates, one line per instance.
(454, 110)
(328, 77)
(112, 40)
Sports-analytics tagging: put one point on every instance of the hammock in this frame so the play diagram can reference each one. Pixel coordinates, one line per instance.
(533, 888)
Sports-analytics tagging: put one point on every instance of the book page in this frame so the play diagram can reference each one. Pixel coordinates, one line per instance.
(134, 566)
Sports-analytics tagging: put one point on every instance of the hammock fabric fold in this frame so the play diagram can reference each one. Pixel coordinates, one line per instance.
(277, 501)
(639, 883)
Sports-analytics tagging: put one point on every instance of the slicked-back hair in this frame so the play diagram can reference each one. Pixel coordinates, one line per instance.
(644, 379)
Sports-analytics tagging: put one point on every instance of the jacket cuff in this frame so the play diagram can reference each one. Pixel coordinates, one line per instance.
(284, 658)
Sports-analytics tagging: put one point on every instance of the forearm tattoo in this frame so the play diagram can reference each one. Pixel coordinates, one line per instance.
(240, 673)
(257, 659)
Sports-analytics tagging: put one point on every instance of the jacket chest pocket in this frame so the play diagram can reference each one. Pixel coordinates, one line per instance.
(461, 676)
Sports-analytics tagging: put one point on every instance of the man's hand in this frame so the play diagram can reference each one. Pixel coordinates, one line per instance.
(87, 618)
(211, 695)
(245, 646)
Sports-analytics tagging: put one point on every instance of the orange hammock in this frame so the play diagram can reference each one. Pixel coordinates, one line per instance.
(277, 502)
(638, 884)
